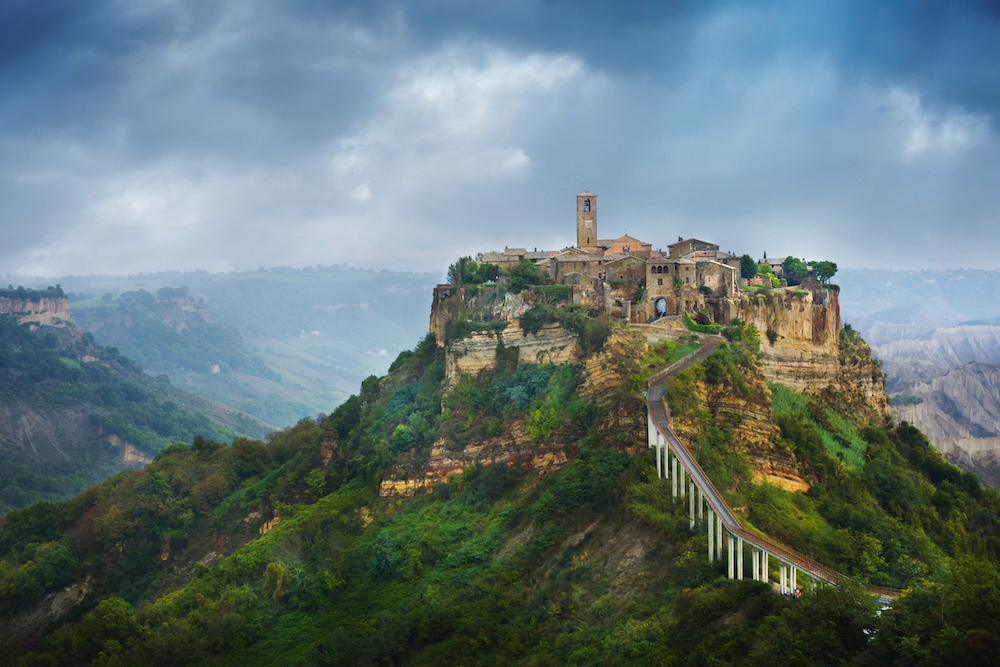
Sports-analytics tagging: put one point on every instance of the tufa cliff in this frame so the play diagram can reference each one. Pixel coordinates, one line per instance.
(50, 312)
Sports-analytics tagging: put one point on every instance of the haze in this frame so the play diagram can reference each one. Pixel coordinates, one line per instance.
(142, 136)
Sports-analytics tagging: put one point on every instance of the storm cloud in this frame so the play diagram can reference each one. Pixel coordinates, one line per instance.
(151, 135)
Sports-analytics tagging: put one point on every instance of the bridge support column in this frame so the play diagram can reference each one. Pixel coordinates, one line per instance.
(711, 536)
(675, 479)
(666, 458)
(656, 453)
(812, 584)
(719, 533)
(691, 501)
(729, 551)
(795, 584)
(765, 576)
(682, 481)
(701, 506)
(739, 558)
(781, 579)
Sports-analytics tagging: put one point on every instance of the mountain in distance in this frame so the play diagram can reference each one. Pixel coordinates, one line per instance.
(960, 412)
(73, 412)
(925, 327)
(288, 342)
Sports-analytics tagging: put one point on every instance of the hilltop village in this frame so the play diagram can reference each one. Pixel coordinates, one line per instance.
(626, 278)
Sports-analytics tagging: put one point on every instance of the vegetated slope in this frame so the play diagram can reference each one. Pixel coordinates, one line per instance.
(592, 564)
(324, 329)
(960, 413)
(173, 333)
(73, 412)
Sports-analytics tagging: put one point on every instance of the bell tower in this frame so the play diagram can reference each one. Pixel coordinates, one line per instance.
(586, 220)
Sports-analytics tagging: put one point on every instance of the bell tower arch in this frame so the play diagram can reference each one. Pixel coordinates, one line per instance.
(586, 220)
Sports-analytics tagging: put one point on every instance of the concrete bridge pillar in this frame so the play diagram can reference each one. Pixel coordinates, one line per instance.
(720, 531)
(711, 536)
(732, 556)
(794, 583)
(764, 574)
(701, 505)
(739, 558)
(691, 501)
(683, 479)
(666, 457)
(781, 579)
(675, 479)
(754, 564)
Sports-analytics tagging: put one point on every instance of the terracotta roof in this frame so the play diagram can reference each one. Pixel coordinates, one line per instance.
(515, 251)
(493, 256)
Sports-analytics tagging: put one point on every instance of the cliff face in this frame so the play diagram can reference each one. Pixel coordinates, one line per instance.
(46, 312)
(799, 333)
(552, 344)
(754, 431)
(803, 348)
(511, 449)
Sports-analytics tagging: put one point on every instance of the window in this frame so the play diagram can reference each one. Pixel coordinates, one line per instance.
(586, 205)
(659, 281)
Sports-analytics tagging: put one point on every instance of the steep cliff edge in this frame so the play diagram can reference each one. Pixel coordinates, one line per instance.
(50, 312)
(804, 348)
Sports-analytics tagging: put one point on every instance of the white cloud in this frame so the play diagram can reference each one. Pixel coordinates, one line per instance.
(920, 130)
(362, 193)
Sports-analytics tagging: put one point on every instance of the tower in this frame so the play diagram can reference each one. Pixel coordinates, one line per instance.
(586, 220)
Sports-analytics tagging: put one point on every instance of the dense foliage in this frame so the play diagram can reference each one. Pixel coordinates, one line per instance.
(35, 295)
(796, 271)
(39, 376)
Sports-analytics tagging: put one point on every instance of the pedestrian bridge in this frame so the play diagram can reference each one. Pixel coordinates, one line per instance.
(707, 508)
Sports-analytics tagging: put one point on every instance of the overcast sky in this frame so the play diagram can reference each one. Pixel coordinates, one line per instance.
(138, 136)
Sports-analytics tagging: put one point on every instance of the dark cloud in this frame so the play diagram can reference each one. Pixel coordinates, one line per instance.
(229, 135)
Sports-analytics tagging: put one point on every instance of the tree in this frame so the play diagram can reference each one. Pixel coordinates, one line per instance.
(794, 269)
(748, 267)
(824, 270)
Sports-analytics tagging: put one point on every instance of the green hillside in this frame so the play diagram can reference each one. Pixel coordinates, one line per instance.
(174, 334)
(593, 564)
(289, 342)
(74, 412)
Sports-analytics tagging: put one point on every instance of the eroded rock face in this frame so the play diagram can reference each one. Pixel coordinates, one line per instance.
(754, 430)
(552, 344)
(803, 348)
(960, 413)
(513, 449)
(47, 312)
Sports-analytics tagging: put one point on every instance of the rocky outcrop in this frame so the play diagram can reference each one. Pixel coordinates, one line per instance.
(804, 349)
(552, 344)
(513, 449)
(754, 431)
(799, 333)
(44, 312)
